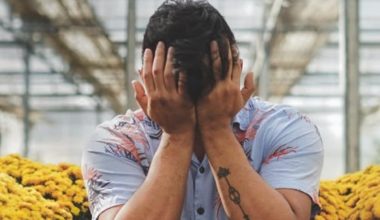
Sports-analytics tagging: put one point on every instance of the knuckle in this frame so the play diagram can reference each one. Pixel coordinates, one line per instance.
(146, 75)
(226, 92)
(229, 58)
(157, 99)
(168, 76)
(216, 60)
(156, 71)
(214, 55)
(153, 97)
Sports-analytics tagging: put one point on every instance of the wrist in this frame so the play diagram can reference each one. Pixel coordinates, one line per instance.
(210, 133)
(215, 126)
(180, 134)
(216, 141)
(184, 130)
(180, 140)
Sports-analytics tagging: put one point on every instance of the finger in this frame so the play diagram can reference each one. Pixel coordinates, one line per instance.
(236, 63)
(182, 84)
(230, 61)
(236, 72)
(235, 53)
(216, 60)
(141, 77)
(158, 66)
(140, 95)
(249, 87)
(168, 73)
(147, 71)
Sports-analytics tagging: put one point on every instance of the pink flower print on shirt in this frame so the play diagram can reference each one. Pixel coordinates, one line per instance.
(127, 144)
(280, 152)
(131, 143)
(90, 173)
(240, 135)
(259, 116)
(96, 188)
(139, 114)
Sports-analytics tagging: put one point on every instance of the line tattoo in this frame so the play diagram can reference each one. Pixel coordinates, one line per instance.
(233, 193)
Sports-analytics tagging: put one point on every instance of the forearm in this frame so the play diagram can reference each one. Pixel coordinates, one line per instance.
(242, 190)
(162, 193)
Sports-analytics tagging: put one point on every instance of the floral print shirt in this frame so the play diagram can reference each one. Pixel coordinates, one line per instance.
(283, 146)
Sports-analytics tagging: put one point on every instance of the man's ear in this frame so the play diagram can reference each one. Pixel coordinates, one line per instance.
(249, 87)
(140, 95)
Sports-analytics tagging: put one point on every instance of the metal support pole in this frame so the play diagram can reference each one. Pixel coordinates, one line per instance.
(26, 106)
(349, 48)
(1, 140)
(264, 52)
(262, 63)
(98, 113)
(130, 58)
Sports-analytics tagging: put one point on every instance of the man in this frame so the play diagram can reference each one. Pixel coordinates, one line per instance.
(201, 148)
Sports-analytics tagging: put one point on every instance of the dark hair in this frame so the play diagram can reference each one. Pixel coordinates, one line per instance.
(190, 26)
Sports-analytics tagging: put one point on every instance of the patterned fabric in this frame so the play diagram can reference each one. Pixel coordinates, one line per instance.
(282, 145)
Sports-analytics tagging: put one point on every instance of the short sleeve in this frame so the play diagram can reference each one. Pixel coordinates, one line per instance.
(295, 154)
(111, 164)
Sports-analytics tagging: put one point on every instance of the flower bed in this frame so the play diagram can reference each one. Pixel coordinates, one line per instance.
(352, 196)
(60, 185)
(31, 190)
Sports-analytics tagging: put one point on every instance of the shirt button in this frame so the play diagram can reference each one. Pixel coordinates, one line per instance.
(201, 210)
(201, 169)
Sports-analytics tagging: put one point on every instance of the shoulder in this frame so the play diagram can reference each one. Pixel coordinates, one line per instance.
(122, 137)
(289, 134)
(257, 115)
(287, 124)
(278, 117)
(270, 124)
(115, 161)
(126, 128)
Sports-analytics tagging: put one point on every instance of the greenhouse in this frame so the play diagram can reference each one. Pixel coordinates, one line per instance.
(67, 66)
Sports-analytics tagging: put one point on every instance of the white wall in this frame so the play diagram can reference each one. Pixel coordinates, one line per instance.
(60, 137)
(57, 137)
(11, 134)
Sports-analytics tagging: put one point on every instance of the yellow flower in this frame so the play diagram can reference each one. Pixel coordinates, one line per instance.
(352, 196)
(78, 199)
(75, 210)
(376, 207)
(24, 202)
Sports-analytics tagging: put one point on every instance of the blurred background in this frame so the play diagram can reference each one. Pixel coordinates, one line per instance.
(66, 66)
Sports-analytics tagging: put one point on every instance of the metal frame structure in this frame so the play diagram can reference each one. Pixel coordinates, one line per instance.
(349, 24)
(75, 33)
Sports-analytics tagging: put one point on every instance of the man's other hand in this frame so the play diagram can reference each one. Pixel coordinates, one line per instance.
(216, 109)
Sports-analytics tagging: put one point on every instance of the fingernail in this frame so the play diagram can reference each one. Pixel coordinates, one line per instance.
(214, 44)
(146, 52)
(160, 44)
(171, 50)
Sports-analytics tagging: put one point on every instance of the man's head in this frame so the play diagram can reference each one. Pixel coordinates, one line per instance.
(189, 26)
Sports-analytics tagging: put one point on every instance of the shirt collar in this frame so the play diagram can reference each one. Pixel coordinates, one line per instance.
(244, 116)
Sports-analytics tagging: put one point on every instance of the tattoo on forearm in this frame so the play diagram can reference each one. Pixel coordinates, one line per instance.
(234, 195)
